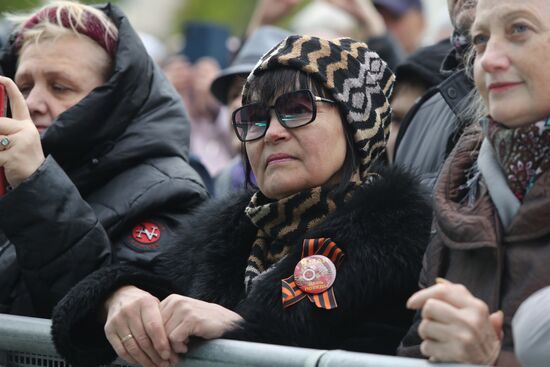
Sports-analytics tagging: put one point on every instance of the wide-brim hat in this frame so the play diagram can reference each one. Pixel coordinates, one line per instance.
(261, 41)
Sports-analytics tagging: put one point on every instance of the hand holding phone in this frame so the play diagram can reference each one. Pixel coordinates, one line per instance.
(21, 151)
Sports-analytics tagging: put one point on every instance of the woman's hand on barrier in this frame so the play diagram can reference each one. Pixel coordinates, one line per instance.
(134, 327)
(184, 317)
(456, 326)
(20, 147)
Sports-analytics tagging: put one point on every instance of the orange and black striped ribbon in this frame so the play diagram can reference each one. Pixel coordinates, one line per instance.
(290, 290)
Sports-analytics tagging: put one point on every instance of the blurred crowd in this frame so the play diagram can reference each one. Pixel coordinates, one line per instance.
(333, 184)
(205, 68)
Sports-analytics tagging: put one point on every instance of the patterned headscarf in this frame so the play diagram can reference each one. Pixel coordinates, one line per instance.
(359, 80)
(361, 83)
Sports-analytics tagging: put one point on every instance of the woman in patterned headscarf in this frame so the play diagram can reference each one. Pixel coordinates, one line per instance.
(492, 202)
(323, 255)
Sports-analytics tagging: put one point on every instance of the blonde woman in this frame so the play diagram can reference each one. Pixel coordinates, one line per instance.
(491, 244)
(94, 153)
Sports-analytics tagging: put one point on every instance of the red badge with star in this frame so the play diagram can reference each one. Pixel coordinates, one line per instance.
(146, 235)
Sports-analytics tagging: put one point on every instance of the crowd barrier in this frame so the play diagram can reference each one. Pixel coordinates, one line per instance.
(26, 342)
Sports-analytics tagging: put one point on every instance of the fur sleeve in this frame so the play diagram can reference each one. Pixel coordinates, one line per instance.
(77, 334)
(76, 331)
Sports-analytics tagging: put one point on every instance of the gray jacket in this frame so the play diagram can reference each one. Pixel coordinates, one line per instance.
(432, 127)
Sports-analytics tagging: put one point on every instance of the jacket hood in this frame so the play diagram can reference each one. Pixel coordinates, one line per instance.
(134, 116)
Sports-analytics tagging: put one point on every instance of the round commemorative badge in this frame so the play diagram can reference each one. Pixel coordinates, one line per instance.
(314, 274)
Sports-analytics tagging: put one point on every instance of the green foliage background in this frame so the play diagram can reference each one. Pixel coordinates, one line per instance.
(234, 14)
(19, 5)
(16, 5)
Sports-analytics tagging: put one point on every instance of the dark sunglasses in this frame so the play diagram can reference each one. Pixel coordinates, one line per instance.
(293, 109)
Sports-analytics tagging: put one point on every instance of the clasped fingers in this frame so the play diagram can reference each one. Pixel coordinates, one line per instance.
(134, 327)
(456, 326)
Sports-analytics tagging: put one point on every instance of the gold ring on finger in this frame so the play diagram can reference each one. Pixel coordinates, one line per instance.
(126, 338)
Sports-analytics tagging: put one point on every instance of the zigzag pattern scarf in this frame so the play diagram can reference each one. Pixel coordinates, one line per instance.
(281, 222)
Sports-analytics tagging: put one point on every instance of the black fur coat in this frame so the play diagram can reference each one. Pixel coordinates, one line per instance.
(382, 230)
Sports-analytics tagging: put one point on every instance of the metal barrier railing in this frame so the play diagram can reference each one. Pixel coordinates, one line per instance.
(26, 342)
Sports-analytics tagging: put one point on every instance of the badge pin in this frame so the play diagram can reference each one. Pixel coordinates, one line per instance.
(146, 232)
(314, 274)
(145, 236)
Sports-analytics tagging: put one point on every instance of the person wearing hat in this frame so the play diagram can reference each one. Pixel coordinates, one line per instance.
(405, 21)
(227, 89)
(322, 254)
(94, 152)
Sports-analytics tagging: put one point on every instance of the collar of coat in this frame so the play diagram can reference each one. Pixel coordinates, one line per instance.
(468, 227)
(377, 205)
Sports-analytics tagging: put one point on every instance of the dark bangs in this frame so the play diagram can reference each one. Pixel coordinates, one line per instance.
(269, 85)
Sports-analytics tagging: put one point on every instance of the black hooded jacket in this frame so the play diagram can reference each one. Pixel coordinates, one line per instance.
(382, 232)
(113, 188)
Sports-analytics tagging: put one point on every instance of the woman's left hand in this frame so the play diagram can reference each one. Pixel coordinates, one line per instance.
(456, 326)
(22, 155)
(184, 317)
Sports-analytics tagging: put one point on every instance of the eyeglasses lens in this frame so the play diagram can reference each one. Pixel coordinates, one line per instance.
(251, 121)
(295, 109)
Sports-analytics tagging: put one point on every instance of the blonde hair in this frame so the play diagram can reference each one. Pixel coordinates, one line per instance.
(476, 109)
(71, 17)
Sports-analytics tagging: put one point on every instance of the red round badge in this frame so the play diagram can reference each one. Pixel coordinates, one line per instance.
(146, 233)
(315, 274)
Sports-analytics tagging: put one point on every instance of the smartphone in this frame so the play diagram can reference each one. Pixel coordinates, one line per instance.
(3, 113)
(3, 101)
